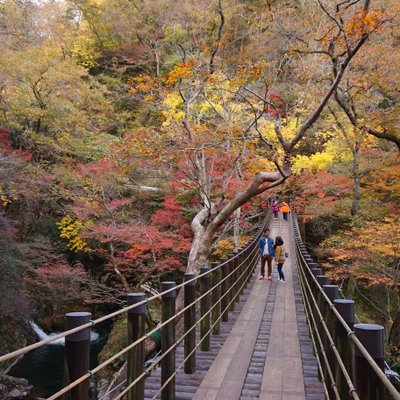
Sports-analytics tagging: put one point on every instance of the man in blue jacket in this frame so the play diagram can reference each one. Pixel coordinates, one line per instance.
(267, 252)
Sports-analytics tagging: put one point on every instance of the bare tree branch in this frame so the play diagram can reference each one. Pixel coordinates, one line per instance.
(217, 44)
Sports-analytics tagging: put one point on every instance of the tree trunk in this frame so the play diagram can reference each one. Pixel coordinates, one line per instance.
(356, 179)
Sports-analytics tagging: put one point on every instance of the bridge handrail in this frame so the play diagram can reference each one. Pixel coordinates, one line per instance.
(352, 389)
(157, 328)
(97, 321)
(350, 333)
(248, 256)
(120, 395)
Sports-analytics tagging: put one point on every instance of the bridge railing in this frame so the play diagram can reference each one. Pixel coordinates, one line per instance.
(350, 356)
(220, 288)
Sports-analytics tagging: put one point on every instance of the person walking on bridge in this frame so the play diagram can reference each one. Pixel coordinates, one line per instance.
(285, 209)
(266, 250)
(280, 257)
(275, 209)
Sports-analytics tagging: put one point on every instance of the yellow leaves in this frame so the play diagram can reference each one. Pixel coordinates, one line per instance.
(84, 52)
(174, 109)
(316, 162)
(6, 198)
(180, 71)
(70, 230)
(259, 164)
(224, 247)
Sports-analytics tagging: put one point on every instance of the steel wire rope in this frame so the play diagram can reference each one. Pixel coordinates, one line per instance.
(144, 373)
(201, 340)
(392, 390)
(388, 369)
(147, 335)
(306, 294)
(95, 322)
(352, 389)
(384, 379)
(315, 347)
(306, 290)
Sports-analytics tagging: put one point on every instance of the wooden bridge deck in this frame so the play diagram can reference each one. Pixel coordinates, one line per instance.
(263, 352)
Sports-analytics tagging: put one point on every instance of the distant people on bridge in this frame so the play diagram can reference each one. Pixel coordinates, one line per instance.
(267, 251)
(285, 210)
(275, 209)
(280, 257)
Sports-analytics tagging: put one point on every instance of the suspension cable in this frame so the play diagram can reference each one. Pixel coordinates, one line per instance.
(306, 288)
(389, 386)
(90, 324)
(133, 383)
(158, 327)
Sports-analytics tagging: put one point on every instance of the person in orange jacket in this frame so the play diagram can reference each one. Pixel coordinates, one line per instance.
(285, 210)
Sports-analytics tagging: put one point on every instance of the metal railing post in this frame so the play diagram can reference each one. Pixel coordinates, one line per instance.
(236, 277)
(369, 386)
(204, 310)
(247, 265)
(231, 281)
(332, 291)
(315, 272)
(216, 298)
(242, 270)
(224, 290)
(135, 356)
(189, 321)
(322, 280)
(77, 353)
(343, 344)
(168, 310)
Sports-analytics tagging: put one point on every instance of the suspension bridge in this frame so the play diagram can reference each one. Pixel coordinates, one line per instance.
(241, 337)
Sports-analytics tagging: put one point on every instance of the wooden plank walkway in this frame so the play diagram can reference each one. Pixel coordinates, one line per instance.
(263, 352)
(186, 385)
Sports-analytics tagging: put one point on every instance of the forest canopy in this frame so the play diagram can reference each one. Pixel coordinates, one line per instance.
(136, 136)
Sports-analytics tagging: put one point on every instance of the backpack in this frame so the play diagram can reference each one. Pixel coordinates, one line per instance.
(284, 255)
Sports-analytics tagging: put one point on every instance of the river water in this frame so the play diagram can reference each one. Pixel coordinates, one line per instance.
(44, 367)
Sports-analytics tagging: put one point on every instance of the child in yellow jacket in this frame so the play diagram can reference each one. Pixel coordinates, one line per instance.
(280, 257)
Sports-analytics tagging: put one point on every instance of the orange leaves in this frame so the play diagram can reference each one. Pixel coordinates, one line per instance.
(363, 22)
(371, 280)
(250, 72)
(142, 83)
(180, 71)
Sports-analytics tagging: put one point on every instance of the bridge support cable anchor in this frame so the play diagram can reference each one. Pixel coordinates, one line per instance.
(77, 354)
(168, 310)
(136, 355)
